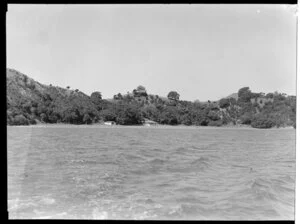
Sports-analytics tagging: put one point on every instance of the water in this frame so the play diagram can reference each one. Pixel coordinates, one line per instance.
(99, 172)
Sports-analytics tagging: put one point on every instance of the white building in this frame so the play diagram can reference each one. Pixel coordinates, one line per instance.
(148, 122)
(109, 123)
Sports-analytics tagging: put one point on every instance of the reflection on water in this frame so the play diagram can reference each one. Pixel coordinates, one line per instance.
(95, 172)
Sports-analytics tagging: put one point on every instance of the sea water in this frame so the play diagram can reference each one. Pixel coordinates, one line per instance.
(116, 172)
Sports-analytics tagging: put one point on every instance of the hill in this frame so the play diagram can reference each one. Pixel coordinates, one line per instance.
(30, 102)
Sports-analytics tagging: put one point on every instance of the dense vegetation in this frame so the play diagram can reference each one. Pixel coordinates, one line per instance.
(29, 102)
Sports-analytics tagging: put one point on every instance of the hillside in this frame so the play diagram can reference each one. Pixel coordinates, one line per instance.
(30, 102)
(233, 95)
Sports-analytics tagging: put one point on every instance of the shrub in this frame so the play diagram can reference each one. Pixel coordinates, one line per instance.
(128, 114)
(213, 116)
(87, 119)
(244, 94)
(217, 123)
(173, 95)
(262, 121)
(32, 121)
(20, 120)
(108, 115)
(224, 103)
(246, 118)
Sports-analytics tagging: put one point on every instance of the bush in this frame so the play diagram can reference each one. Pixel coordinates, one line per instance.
(53, 118)
(87, 119)
(128, 115)
(168, 116)
(213, 116)
(173, 95)
(217, 123)
(108, 115)
(224, 103)
(244, 94)
(246, 118)
(20, 120)
(32, 121)
(262, 121)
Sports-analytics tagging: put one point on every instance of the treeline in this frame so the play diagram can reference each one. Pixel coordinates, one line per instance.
(29, 102)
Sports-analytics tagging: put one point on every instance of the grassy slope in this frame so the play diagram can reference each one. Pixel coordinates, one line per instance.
(22, 90)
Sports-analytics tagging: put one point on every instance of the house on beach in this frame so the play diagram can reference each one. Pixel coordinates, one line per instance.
(148, 122)
(109, 123)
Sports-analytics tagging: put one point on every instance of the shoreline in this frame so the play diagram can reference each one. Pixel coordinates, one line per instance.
(95, 125)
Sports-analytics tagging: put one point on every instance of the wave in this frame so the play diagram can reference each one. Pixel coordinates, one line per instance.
(192, 211)
(135, 142)
(157, 161)
(191, 200)
(47, 200)
(77, 161)
(188, 189)
(133, 157)
(287, 179)
(96, 214)
(262, 189)
(180, 151)
(141, 171)
(202, 163)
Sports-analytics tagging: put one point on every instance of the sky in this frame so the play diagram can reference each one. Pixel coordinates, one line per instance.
(203, 52)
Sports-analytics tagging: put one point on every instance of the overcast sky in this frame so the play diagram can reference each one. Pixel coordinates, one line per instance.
(203, 52)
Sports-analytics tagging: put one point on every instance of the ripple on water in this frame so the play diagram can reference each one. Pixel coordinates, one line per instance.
(188, 189)
(127, 173)
(261, 189)
(157, 161)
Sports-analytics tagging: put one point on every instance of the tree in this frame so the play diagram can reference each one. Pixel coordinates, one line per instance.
(198, 116)
(128, 114)
(68, 87)
(173, 95)
(27, 106)
(134, 92)
(140, 91)
(43, 117)
(20, 120)
(224, 103)
(270, 95)
(141, 88)
(96, 99)
(232, 101)
(150, 112)
(244, 94)
(168, 115)
(53, 118)
(108, 114)
(262, 121)
(96, 95)
(213, 115)
(87, 119)
(246, 118)
(118, 96)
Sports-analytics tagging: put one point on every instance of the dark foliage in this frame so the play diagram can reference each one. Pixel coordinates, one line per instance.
(173, 95)
(29, 101)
